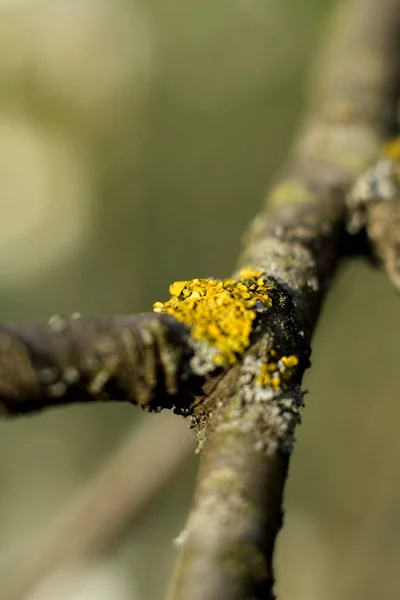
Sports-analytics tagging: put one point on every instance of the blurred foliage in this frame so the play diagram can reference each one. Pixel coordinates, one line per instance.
(136, 141)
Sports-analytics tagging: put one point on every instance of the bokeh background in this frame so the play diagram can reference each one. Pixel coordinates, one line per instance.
(136, 141)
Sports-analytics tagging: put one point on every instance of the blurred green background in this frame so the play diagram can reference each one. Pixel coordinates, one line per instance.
(136, 142)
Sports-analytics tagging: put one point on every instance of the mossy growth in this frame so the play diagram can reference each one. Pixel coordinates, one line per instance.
(220, 312)
(290, 192)
(244, 561)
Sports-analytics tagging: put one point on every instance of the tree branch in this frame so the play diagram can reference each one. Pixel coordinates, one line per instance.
(237, 510)
(74, 359)
(235, 365)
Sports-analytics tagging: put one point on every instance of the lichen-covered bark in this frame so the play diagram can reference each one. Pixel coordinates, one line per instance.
(230, 355)
(374, 205)
(235, 516)
(237, 510)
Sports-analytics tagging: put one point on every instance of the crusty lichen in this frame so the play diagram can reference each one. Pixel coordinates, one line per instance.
(220, 313)
(277, 374)
(272, 398)
(254, 320)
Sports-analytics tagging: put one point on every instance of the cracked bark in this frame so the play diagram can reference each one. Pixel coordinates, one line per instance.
(237, 510)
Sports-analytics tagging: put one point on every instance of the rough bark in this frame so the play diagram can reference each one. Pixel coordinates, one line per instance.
(237, 509)
(247, 407)
(80, 359)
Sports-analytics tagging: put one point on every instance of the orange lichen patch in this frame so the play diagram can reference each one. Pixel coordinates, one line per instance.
(219, 312)
(277, 375)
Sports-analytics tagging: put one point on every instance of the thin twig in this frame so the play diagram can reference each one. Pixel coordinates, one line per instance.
(110, 501)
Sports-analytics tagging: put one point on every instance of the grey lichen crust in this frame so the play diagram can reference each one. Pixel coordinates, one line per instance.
(373, 205)
(276, 412)
(379, 183)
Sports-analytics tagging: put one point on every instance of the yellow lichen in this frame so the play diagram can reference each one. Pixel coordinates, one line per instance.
(277, 375)
(266, 374)
(290, 361)
(219, 312)
(249, 273)
(392, 149)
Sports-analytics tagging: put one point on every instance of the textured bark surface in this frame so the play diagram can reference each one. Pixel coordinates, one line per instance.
(237, 509)
(245, 411)
(75, 359)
